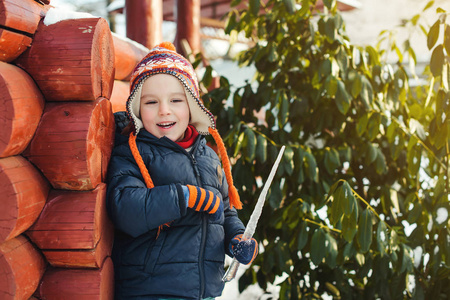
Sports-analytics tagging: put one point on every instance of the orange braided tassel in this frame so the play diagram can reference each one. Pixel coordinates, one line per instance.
(232, 191)
(147, 178)
(138, 158)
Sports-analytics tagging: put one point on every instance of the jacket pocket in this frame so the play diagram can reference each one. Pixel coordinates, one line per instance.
(153, 254)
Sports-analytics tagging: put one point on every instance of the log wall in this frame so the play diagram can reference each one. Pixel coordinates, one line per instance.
(59, 87)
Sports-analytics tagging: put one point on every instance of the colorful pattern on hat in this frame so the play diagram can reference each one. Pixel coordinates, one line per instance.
(163, 59)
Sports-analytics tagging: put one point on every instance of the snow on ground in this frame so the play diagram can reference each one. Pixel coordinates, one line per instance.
(253, 292)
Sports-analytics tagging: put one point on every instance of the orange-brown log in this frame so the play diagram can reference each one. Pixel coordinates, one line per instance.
(144, 20)
(19, 20)
(72, 60)
(190, 31)
(119, 96)
(82, 258)
(12, 44)
(21, 15)
(23, 193)
(73, 143)
(75, 284)
(128, 54)
(21, 107)
(21, 267)
(74, 230)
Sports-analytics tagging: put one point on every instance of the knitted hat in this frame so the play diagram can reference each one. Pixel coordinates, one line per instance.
(163, 59)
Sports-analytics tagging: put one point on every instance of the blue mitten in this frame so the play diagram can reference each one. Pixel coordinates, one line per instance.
(200, 199)
(244, 251)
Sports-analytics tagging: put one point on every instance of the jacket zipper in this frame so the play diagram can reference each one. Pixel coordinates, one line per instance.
(204, 230)
(190, 154)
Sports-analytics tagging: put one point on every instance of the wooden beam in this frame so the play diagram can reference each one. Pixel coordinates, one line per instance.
(188, 25)
(144, 21)
(207, 22)
(217, 9)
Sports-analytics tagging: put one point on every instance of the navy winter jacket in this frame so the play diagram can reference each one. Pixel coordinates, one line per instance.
(186, 260)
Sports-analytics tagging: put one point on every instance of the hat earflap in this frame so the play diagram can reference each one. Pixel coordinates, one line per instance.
(232, 191)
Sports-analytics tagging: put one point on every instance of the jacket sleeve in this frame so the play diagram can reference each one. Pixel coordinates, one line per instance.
(232, 225)
(132, 207)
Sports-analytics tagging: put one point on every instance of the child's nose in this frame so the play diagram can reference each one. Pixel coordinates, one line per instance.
(164, 109)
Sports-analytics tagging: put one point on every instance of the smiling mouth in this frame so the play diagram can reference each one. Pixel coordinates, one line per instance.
(166, 125)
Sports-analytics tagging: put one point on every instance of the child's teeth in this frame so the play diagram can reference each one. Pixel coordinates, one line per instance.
(165, 125)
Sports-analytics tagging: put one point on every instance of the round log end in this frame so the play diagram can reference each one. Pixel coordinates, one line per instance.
(22, 268)
(13, 45)
(59, 283)
(107, 280)
(128, 54)
(103, 68)
(24, 192)
(76, 228)
(73, 143)
(72, 60)
(100, 140)
(21, 107)
(119, 96)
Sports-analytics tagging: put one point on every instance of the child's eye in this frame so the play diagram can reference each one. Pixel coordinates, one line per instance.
(177, 100)
(150, 102)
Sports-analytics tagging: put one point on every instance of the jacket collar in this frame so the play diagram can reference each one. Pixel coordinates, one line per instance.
(147, 137)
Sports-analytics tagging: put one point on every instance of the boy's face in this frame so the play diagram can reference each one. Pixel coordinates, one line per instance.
(164, 108)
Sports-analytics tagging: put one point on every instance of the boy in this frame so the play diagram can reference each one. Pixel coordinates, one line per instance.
(173, 210)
